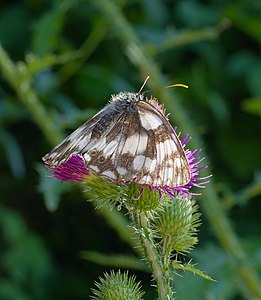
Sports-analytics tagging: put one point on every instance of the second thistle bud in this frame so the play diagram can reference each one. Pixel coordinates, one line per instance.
(117, 286)
(176, 225)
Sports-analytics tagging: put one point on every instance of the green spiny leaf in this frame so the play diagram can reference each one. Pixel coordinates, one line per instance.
(190, 267)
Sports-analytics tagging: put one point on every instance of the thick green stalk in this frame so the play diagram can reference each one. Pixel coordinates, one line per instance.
(211, 203)
(153, 257)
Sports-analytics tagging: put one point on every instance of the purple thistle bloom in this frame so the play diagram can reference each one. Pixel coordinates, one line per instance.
(73, 169)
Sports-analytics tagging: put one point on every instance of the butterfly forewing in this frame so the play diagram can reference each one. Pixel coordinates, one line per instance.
(78, 141)
(165, 161)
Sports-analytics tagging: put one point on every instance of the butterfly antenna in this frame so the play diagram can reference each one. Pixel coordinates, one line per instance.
(176, 84)
(144, 83)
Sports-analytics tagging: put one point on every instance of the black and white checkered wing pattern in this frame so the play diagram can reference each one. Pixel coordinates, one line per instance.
(81, 140)
(136, 143)
(164, 162)
(142, 145)
(146, 148)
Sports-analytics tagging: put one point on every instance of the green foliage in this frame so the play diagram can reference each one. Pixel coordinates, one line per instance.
(47, 30)
(13, 153)
(252, 106)
(73, 55)
(25, 260)
(51, 189)
(122, 261)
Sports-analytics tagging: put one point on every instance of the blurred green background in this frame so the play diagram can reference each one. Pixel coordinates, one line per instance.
(61, 62)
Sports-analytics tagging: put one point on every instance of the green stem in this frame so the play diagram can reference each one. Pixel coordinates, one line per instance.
(153, 257)
(211, 203)
(191, 36)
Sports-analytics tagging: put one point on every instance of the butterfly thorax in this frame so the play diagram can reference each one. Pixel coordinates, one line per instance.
(125, 101)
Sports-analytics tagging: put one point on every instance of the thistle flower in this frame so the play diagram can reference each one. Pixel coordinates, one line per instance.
(73, 169)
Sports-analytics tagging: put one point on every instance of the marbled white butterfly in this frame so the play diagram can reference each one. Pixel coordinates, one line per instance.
(130, 139)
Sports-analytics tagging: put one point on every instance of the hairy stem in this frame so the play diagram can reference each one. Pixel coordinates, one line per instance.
(153, 257)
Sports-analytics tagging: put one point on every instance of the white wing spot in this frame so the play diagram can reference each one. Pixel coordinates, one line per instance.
(94, 168)
(142, 143)
(131, 144)
(169, 146)
(138, 162)
(160, 152)
(150, 165)
(179, 180)
(158, 181)
(52, 155)
(86, 157)
(146, 179)
(168, 182)
(177, 163)
(99, 145)
(122, 171)
(109, 174)
(82, 144)
(150, 121)
(110, 148)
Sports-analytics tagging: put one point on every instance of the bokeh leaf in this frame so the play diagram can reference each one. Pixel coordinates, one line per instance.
(116, 261)
(51, 188)
(13, 153)
(47, 30)
(252, 106)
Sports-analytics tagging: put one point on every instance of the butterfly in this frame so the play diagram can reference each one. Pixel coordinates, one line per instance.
(130, 139)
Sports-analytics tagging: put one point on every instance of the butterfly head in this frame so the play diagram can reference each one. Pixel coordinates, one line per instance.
(127, 98)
